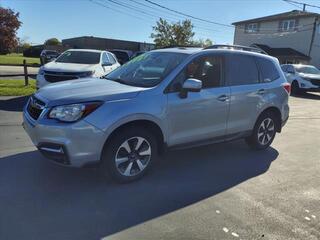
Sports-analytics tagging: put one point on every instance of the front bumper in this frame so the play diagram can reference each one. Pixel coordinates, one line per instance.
(73, 144)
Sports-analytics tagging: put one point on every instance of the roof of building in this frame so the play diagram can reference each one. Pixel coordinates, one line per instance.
(285, 15)
(277, 52)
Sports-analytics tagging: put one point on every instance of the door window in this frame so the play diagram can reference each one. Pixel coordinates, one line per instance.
(241, 70)
(105, 58)
(208, 69)
(112, 60)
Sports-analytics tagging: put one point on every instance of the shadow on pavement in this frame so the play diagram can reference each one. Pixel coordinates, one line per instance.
(308, 95)
(14, 104)
(39, 200)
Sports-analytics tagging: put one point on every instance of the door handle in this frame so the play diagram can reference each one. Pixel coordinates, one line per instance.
(261, 91)
(223, 98)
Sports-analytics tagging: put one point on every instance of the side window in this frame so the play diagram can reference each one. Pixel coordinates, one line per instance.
(208, 69)
(112, 60)
(268, 71)
(284, 68)
(241, 70)
(290, 69)
(105, 58)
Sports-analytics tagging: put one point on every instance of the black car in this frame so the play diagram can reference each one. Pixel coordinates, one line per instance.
(123, 56)
(48, 55)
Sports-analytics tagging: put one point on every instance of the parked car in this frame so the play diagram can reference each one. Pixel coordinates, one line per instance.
(48, 56)
(77, 63)
(136, 54)
(303, 78)
(171, 98)
(123, 56)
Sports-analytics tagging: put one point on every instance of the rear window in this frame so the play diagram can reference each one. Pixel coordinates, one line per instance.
(241, 70)
(268, 71)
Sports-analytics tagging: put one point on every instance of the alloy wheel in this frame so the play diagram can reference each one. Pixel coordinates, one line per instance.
(133, 156)
(266, 131)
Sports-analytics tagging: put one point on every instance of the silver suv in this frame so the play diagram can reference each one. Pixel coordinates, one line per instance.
(168, 98)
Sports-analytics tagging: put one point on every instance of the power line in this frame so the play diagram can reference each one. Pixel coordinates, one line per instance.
(293, 4)
(302, 3)
(187, 15)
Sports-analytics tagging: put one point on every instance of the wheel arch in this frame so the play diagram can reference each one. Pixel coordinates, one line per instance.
(148, 124)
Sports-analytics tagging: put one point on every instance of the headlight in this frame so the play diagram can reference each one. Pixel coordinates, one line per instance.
(41, 71)
(73, 112)
(86, 74)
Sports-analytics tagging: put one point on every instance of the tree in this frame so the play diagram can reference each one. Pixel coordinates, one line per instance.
(202, 43)
(176, 34)
(52, 42)
(9, 24)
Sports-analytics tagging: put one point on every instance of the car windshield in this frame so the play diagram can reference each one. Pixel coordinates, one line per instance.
(51, 52)
(147, 70)
(307, 69)
(80, 57)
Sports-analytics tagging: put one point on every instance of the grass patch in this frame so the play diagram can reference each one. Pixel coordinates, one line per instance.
(16, 87)
(17, 58)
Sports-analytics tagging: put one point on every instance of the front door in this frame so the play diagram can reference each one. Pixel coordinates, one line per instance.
(201, 115)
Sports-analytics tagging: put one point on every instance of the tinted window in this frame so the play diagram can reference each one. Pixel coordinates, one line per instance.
(80, 57)
(208, 69)
(284, 68)
(268, 71)
(111, 58)
(241, 70)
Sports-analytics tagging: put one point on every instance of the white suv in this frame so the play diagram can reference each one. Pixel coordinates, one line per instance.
(75, 64)
(303, 78)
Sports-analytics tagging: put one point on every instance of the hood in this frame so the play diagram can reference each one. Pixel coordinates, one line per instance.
(68, 67)
(86, 90)
(310, 76)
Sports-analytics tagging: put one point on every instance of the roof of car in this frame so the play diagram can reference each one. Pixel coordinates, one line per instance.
(193, 50)
(86, 50)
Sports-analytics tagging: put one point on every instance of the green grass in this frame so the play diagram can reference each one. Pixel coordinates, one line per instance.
(16, 87)
(17, 58)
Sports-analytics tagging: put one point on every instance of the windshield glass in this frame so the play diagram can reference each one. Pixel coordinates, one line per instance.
(147, 70)
(79, 57)
(307, 69)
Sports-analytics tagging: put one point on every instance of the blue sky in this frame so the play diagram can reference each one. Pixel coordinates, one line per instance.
(43, 19)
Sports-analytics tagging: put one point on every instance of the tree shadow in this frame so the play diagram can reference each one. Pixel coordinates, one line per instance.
(41, 200)
(15, 104)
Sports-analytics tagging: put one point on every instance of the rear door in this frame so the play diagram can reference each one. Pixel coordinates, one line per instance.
(201, 115)
(247, 93)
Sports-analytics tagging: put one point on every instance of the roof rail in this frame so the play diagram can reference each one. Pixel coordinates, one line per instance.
(236, 47)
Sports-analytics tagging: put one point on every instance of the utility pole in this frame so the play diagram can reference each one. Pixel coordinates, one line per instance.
(304, 7)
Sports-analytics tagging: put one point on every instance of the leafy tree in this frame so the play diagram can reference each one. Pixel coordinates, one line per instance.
(52, 42)
(202, 43)
(9, 24)
(175, 34)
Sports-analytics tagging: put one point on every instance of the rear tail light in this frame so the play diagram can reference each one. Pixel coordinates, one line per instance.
(287, 87)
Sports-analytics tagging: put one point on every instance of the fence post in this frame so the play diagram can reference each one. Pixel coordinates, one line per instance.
(26, 80)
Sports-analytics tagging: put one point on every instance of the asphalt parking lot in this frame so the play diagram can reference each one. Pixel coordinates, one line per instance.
(224, 191)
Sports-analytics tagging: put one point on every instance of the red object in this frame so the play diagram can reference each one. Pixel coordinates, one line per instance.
(287, 87)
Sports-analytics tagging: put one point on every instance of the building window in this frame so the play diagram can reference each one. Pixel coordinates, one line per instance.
(251, 28)
(287, 25)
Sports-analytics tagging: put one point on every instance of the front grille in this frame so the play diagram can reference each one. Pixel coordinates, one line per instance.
(316, 82)
(35, 107)
(52, 76)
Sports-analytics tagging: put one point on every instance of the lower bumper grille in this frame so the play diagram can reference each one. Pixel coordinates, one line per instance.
(315, 82)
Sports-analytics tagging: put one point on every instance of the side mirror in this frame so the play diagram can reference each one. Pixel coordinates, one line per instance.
(106, 64)
(190, 85)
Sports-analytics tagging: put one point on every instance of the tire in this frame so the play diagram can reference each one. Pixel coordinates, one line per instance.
(295, 89)
(264, 132)
(129, 155)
